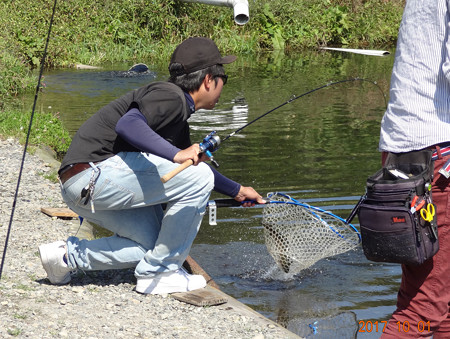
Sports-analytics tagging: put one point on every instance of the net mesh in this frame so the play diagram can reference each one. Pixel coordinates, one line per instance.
(298, 235)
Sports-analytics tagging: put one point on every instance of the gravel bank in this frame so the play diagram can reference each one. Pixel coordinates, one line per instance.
(93, 305)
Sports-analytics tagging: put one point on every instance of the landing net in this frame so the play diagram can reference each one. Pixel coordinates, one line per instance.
(297, 235)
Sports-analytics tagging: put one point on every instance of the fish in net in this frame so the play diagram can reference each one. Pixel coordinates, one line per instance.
(298, 235)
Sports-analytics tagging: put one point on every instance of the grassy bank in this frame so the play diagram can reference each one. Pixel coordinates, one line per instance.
(95, 33)
(131, 30)
(47, 129)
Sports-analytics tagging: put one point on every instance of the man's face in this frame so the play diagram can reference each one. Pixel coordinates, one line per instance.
(215, 89)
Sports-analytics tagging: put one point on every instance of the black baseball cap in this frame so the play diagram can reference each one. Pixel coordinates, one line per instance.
(198, 53)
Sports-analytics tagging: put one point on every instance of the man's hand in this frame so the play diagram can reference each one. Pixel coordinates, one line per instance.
(192, 153)
(250, 196)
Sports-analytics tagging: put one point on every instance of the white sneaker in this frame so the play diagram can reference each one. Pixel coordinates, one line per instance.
(58, 272)
(170, 282)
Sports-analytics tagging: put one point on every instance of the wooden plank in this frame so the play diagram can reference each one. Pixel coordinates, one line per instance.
(194, 268)
(201, 297)
(59, 212)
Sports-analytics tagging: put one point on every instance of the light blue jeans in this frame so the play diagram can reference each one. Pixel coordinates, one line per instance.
(128, 198)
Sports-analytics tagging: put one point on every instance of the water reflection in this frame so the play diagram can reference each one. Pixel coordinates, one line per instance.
(224, 120)
(77, 94)
(94, 83)
(319, 149)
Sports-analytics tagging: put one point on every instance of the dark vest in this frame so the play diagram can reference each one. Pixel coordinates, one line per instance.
(164, 106)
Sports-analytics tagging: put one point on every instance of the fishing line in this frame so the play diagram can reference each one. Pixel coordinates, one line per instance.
(294, 97)
(28, 137)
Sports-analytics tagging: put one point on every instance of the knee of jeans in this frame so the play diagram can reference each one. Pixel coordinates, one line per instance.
(207, 175)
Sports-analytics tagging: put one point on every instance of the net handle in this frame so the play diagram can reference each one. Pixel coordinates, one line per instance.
(230, 202)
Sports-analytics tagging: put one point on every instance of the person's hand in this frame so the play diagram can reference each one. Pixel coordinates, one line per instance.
(192, 153)
(250, 196)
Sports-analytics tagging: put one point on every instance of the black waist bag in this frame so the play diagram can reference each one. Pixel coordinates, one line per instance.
(390, 230)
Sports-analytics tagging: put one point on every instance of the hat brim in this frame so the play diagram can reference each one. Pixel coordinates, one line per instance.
(228, 59)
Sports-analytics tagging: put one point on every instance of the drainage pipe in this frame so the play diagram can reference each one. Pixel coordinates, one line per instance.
(240, 7)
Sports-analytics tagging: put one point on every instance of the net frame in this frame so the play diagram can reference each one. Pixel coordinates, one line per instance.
(297, 235)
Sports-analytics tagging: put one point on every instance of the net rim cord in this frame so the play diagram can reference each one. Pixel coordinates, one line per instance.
(314, 208)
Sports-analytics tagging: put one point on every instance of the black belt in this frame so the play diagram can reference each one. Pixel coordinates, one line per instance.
(71, 170)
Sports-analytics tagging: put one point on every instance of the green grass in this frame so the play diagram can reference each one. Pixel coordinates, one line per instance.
(47, 129)
(14, 332)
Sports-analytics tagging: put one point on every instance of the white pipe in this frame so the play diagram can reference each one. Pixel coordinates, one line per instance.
(358, 51)
(240, 7)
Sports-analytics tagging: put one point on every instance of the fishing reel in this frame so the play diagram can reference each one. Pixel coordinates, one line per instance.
(210, 144)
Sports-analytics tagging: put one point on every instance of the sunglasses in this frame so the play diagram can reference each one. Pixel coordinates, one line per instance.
(223, 76)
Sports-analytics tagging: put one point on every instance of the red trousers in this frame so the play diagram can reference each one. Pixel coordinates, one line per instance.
(423, 302)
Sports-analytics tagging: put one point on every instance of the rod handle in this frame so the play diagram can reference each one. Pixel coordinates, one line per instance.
(165, 178)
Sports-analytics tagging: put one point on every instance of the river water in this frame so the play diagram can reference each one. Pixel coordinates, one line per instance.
(319, 149)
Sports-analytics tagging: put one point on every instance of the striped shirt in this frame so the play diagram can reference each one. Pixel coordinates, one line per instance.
(418, 113)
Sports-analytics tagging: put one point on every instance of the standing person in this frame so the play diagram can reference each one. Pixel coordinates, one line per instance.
(111, 175)
(418, 117)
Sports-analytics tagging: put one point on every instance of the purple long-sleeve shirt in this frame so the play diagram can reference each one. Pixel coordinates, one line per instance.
(134, 129)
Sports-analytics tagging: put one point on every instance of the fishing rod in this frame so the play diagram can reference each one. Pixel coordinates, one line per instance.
(212, 141)
(38, 86)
